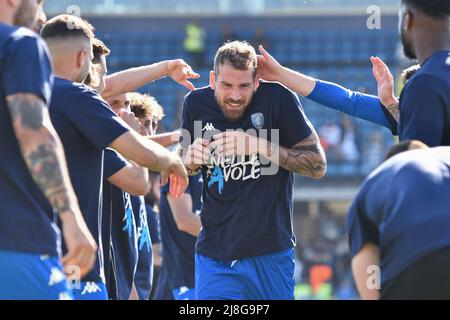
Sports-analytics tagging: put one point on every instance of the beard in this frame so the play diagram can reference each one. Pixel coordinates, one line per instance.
(23, 16)
(232, 114)
(408, 48)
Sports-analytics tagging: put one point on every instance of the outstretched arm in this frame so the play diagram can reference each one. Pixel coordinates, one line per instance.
(331, 95)
(131, 79)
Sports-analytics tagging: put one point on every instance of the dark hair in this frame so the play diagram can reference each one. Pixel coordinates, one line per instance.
(67, 26)
(239, 54)
(100, 49)
(439, 9)
(409, 72)
(404, 146)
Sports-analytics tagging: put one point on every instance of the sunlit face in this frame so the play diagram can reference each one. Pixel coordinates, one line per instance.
(233, 90)
(405, 35)
(118, 102)
(28, 13)
(147, 122)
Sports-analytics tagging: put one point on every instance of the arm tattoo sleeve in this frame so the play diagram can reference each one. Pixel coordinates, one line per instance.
(41, 149)
(305, 158)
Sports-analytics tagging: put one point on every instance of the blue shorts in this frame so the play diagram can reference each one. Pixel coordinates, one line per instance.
(32, 277)
(90, 291)
(183, 293)
(269, 277)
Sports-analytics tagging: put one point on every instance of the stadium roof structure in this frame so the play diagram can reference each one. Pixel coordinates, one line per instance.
(219, 7)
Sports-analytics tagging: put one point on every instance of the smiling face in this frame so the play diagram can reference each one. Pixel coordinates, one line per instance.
(233, 90)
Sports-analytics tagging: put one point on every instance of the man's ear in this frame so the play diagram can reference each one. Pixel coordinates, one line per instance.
(257, 79)
(80, 58)
(212, 79)
(408, 20)
(13, 3)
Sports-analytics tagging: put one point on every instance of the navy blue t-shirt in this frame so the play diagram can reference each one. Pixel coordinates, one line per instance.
(86, 126)
(113, 163)
(153, 224)
(144, 270)
(178, 246)
(25, 213)
(403, 208)
(425, 103)
(246, 213)
(124, 242)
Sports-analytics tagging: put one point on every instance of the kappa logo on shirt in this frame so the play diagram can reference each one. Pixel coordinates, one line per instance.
(208, 127)
(56, 276)
(90, 287)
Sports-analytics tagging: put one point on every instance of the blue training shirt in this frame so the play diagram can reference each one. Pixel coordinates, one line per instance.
(403, 208)
(353, 103)
(86, 126)
(25, 213)
(179, 246)
(246, 213)
(425, 103)
(144, 271)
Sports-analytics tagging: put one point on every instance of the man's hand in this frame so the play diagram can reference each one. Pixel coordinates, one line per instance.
(268, 68)
(198, 154)
(130, 119)
(80, 244)
(178, 176)
(385, 81)
(230, 143)
(180, 72)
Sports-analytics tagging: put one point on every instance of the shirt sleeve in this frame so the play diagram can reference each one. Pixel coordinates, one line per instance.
(293, 124)
(114, 162)
(187, 130)
(93, 118)
(27, 67)
(353, 103)
(360, 229)
(422, 111)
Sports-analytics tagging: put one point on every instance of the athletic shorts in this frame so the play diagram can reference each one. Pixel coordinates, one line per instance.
(32, 277)
(269, 277)
(90, 291)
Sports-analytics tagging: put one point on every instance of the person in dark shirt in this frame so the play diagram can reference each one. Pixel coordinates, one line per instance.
(35, 184)
(398, 226)
(87, 126)
(425, 100)
(245, 248)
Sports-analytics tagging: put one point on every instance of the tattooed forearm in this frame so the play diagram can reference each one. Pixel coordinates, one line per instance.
(394, 110)
(44, 167)
(306, 158)
(41, 150)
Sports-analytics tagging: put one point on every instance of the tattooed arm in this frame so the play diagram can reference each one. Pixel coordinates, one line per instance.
(306, 157)
(44, 156)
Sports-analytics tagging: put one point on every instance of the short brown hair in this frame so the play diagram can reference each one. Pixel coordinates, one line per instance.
(403, 146)
(409, 72)
(143, 105)
(100, 49)
(239, 54)
(67, 26)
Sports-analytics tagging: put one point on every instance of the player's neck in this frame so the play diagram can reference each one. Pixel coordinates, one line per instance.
(429, 43)
(61, 72)
(6, 17)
